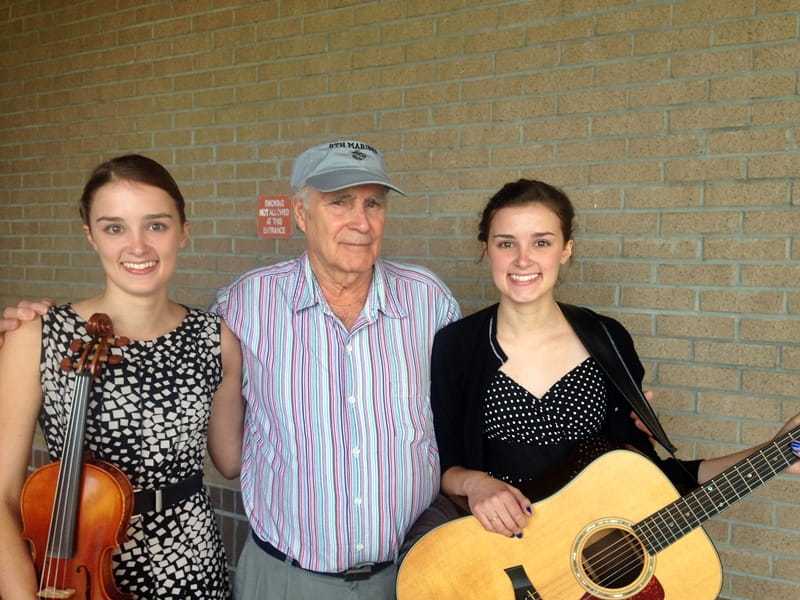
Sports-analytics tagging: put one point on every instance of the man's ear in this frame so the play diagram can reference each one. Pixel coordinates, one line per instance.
(299, 210)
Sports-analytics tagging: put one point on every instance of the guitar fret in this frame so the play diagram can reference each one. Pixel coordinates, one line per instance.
(672, 522)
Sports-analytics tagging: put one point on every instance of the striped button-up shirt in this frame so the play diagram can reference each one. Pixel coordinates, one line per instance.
(339, 453)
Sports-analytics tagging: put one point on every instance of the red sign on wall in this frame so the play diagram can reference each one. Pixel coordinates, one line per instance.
(274, 217)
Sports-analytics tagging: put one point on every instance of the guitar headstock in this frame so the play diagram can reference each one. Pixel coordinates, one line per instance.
(98, 350)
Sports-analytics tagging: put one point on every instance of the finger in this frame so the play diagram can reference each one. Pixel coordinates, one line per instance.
(490, 522)
(8, 325)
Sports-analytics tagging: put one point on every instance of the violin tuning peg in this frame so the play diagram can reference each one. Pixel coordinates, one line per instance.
(66, 364)
(114, 359)
(122, 341)
(75, 345)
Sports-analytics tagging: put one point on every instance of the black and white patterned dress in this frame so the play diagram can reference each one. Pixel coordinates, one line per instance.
(149, 417)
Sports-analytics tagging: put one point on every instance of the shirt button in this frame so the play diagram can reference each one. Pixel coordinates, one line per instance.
(349, 348)
(357, 501)
(356, 451)
(351, 399)
(359, 546)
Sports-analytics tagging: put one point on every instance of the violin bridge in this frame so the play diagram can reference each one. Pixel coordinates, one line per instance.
(55, 593)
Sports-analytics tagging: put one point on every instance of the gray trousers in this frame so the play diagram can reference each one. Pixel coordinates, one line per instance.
(259, 576)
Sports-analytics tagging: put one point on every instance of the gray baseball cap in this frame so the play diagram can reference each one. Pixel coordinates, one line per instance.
(337, 165)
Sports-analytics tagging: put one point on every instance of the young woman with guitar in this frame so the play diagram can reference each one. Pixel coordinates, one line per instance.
(529, 391)
(173, 392)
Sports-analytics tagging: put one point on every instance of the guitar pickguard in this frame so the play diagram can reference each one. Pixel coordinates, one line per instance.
(652, 591)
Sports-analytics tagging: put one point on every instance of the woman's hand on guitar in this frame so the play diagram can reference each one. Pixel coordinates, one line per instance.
(500, 507)
(792, 423)
(26, 310)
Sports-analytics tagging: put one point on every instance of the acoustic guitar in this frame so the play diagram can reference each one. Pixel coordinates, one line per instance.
(619, 530)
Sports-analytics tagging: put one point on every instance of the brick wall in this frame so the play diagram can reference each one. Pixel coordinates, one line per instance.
(672, 125)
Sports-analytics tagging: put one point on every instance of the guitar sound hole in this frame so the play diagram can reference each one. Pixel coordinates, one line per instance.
(612, 558)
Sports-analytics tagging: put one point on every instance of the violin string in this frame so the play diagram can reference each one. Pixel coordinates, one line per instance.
(66, 493)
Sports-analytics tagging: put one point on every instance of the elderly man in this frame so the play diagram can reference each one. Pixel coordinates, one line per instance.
(339, 456)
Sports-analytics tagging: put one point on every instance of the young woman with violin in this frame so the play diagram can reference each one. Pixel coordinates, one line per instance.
(168, 390)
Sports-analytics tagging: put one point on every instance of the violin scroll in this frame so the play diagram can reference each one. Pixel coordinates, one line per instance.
(98, 350)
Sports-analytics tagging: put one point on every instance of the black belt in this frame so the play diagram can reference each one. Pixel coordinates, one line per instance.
(157, 500)
(354, 574)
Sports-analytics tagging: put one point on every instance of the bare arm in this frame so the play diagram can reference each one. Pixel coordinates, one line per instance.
(26, 310)
(227, 410)
(714, 466)
(20, 401)
(500, 507)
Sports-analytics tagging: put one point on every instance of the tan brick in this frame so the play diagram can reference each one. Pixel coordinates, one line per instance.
(704, 169)
(672, 196)
(743, 193)
(431, 138)
(712, 222)
(741, 301)
(528, 58)
(597, 49)
(736, 405)
(769, 330)
(617, 272)
(461, 113)
(676, 40)
(697, 275)
(664, 349)
(629, 123)
(556, 129)
(639, 172)
(702, 117)
(655, 298)
(695, 326)
(754, 31)
(423, 50)
(742, 561)
(751, 87)
(467, 21)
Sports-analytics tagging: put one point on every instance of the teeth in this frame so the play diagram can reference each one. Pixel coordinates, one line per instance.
(524, 277)
(139, 266)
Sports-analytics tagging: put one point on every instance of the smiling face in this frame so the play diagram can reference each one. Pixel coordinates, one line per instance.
(344, 230)
(137, 231)
(526, 249)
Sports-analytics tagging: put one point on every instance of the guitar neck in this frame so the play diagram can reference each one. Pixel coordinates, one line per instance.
(672, 522)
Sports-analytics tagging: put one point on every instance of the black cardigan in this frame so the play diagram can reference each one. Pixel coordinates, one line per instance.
(466, 356)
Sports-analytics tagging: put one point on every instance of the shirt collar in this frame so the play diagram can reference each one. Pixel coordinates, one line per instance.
(382, 297)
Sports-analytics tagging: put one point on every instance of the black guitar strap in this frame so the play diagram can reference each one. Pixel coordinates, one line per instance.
(598, 341)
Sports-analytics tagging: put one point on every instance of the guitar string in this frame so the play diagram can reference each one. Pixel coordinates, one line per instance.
(613, 558)
(617, 561)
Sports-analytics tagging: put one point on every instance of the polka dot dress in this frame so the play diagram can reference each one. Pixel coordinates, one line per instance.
(572, 410)
(149, 416)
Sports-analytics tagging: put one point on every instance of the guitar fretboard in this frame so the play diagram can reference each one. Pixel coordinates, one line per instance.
(672, 522)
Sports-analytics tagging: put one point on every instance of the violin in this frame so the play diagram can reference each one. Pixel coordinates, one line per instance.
(76, 511)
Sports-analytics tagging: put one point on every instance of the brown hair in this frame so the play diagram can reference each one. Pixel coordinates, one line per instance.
(528, 191)
(131, 167)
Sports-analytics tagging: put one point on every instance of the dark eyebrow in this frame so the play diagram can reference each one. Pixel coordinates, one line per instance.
(146, 217)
